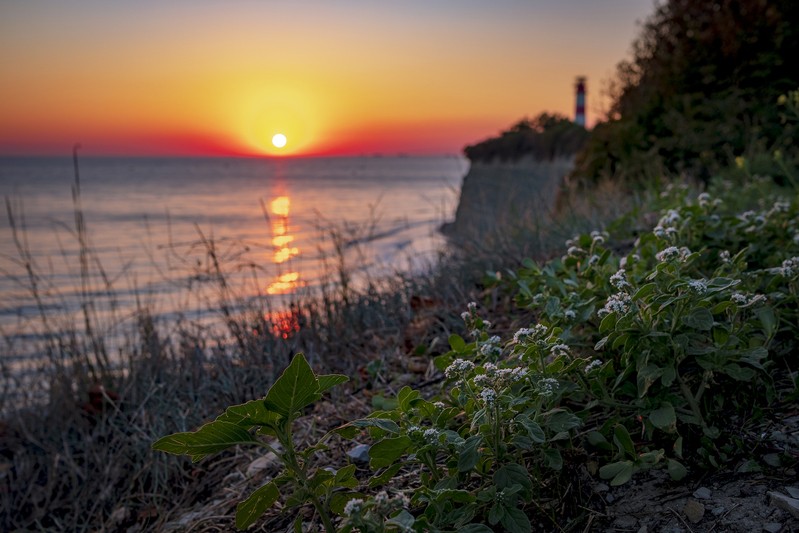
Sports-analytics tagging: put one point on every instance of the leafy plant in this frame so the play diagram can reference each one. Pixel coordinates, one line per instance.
(273, 416)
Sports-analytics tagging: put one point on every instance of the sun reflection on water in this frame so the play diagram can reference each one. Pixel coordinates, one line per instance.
(281, 240)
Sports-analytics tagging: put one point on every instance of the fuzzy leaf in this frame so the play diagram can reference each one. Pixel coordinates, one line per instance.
(664, 418)
(515, 521)
(252, 413)
(328, 381)
(676, 469)
(386, 451)
(699, 318)
(619, 473)
(512, 474)
(469, 455)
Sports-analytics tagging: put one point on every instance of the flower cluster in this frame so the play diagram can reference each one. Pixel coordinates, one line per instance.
(491, 347)
(619, 280)
(671, 253)
(547, 386)
(559, 350)
(592, 365)
(499, 378)
(617, 303)
(536, 332)
(790, 267)
(743, 300)
(698, 286)
(459, 369)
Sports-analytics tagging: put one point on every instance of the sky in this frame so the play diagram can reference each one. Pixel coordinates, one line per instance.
(336, 77)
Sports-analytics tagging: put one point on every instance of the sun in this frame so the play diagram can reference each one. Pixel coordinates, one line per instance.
(279, 140)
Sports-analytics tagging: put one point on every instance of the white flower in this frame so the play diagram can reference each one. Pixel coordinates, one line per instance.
(597, 237)
(574, 251)
(667, 254)
(547, 386)
(482, 380)
(617, 303)
(698, 286)
(439, 405)
(592, 365)
(704, 199)
(431, 435)
(739, 298)
(560, 350)
(465, 316)
(458, 369)
(353, 506)
(538, 330)
(619, 280)
(790, 267)
(569, 314)
(724, 256)
(471, 306)
(488, 395)
(671, 218)
(594, 259)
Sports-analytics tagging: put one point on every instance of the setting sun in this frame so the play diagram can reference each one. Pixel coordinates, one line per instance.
(279, 140)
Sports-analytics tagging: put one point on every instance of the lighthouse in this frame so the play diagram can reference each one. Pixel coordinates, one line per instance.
(579, 109)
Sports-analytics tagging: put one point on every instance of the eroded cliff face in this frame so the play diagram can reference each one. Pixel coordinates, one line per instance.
(503, 196)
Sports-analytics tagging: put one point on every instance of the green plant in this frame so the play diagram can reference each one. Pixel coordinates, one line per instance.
(274, 415)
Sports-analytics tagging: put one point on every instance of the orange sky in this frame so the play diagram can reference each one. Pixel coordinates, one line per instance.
(205, 77)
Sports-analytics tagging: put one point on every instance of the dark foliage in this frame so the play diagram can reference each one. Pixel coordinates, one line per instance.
(545, 137)
(701, 88)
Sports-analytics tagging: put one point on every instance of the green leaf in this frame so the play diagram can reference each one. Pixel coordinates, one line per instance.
(553, 459)
(385, 476)
(496, 513)
(210, 438)
(533, 429)
(386, 451)
(339, 500)
(328, 381)
(598, 440)
(561, 420)
(475, 528)
(767, 319)
(619, 473)
(623, 440)
(664, 418)
(251, 509)
(457, 343)
(676, 469)
(246, 415)
(406, 398)
(739, 373)
(608, 322)
(383, 423)
(345, 477)
(297, 387)
(699, 318)
(644, 291)
(515, 521)
(512, 474)
(646, 377)
(469, 455)
(404, 521)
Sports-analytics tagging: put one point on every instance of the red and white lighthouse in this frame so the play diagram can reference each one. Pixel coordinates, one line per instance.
(579, 110)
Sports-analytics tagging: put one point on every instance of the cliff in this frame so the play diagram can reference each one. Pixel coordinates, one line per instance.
(500, 196)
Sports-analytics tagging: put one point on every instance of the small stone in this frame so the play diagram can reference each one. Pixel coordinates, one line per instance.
(609, 498)
(119, 515)
(772, 527)
(601, 487)
(702, 493)
(786, 503)
(643, 529)
(793, 491)
(261, 463)
(718, 511)
(359, 454)
(694, 511)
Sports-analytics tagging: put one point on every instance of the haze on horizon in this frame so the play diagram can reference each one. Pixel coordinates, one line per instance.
(337, 78)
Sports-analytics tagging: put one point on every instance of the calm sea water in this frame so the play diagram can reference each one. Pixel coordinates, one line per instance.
(156, 228)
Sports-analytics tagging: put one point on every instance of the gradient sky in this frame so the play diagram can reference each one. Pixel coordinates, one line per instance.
(337, 77)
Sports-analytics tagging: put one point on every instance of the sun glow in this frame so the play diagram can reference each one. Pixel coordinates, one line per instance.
(279, 140)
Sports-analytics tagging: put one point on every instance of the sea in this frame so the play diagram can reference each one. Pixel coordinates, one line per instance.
(113, 235)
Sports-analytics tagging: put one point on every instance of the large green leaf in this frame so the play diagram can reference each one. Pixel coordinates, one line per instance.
(515, 521)
(699, 318)
(328, 381)
(512, 474)
(246, 415)
(619, 473)
(664, 417)
(297, 387)
(469, 454)
(210, 438)
(251, 509)
(386, 451)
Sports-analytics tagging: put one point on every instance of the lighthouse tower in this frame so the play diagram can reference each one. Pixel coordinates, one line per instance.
(579, 111)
